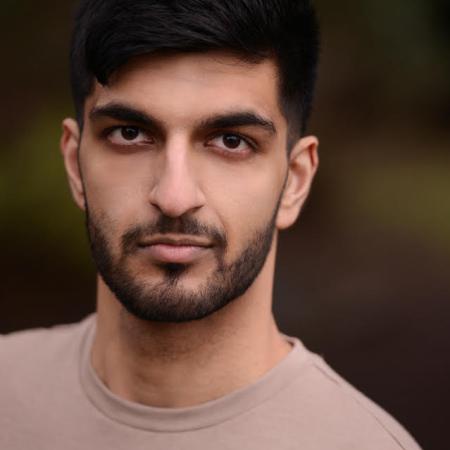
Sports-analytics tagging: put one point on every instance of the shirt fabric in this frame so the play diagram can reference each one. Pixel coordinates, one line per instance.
(52, 399)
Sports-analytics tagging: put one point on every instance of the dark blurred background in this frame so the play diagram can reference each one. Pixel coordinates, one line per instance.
(363, 278)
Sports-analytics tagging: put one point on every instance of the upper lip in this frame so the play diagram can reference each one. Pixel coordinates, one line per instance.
(176, 241)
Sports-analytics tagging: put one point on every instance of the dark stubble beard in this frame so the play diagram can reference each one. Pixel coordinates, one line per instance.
(166, 300)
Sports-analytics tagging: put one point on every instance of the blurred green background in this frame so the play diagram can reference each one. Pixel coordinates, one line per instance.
(363, 278)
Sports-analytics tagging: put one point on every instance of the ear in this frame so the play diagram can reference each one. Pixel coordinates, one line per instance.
(303, 163)
(69, 144)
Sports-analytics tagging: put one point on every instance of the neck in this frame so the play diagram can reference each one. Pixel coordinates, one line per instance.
(185, 364)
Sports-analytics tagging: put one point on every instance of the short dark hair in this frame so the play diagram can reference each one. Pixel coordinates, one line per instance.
(108, 33)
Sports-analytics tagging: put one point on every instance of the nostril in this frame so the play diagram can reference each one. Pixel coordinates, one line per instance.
(176, 189)
(176, 203)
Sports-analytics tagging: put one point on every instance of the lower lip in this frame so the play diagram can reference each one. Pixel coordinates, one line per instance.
(176, 254)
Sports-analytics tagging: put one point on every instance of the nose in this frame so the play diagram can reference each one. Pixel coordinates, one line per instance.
(175, 190)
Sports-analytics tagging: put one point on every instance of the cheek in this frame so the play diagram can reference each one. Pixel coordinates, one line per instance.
(115, 187)
(244, 201)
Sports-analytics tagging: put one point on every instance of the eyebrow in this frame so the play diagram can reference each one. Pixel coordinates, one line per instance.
(239, 119)
(125, 113)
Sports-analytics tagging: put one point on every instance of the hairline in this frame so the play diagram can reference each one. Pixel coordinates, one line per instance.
(270, 55)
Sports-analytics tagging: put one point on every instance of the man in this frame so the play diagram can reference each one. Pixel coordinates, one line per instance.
(188, 155)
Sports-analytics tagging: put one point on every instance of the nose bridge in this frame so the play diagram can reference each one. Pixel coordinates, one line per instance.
(176, 190)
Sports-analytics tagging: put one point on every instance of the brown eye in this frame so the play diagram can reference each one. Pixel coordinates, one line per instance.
(130, 133)
(231, 141)
(232, 144)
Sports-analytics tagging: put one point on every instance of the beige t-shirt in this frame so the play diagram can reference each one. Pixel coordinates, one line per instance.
(51, 399)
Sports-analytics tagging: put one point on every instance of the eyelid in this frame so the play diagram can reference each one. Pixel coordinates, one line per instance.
(106, 133)
(109, 130)
(249, 141)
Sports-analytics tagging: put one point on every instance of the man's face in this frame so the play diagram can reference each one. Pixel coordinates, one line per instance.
(183, 164)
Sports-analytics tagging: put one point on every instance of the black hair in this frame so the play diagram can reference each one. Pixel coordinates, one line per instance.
(108, 33)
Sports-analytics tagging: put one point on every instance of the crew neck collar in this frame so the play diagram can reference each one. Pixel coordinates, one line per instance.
(205, 415)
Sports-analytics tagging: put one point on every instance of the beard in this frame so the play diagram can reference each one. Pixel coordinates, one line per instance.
(167, 300)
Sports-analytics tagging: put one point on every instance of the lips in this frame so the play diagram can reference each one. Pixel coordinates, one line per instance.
(176, 250)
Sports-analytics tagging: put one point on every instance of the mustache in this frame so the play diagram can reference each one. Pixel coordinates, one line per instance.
(165, 225)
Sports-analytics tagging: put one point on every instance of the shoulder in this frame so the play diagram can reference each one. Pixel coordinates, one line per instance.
(36, 366)
(343, 412)
(31, 353)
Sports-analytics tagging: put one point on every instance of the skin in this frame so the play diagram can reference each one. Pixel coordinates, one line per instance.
(181, 168)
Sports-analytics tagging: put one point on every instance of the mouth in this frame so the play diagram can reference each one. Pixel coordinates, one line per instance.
(175, 249)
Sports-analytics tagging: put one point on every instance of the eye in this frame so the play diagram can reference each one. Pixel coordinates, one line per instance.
(128, 135)
(231, 142)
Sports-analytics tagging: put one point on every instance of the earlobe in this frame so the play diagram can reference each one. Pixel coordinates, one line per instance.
(69, 144)
(303, 163)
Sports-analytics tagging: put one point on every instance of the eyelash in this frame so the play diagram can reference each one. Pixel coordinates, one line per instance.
(105, 134)
(249, 142)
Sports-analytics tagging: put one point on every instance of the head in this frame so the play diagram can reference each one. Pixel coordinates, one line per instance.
(109, 33)
(189, 152)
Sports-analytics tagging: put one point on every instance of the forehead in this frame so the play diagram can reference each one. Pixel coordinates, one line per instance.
(188, 87)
